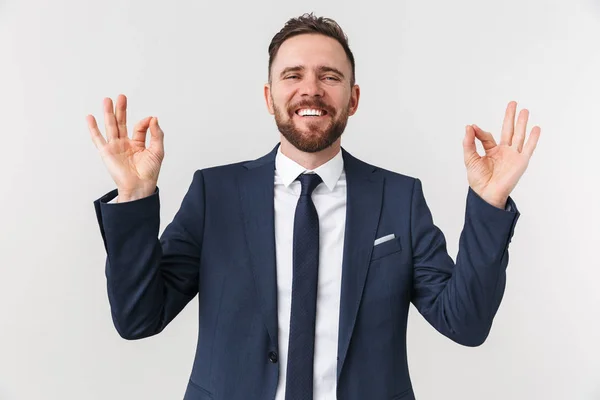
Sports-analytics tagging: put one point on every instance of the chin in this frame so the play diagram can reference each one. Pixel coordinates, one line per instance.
(309, 137)
(309, 143)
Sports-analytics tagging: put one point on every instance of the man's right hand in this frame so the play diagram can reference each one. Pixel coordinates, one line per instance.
(133, 166)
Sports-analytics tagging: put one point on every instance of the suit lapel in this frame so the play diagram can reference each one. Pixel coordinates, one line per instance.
(364, 200)
(256, 185)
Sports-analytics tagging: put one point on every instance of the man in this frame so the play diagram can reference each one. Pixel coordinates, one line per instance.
(305, 261)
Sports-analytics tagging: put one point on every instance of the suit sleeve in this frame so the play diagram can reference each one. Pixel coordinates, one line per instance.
(151, 279)
(461, 299)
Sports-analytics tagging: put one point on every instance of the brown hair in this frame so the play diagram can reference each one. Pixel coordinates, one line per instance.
(308, 23)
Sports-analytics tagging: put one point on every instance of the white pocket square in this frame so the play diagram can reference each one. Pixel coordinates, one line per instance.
(384, 239)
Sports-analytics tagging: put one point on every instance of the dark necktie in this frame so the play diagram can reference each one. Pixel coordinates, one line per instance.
(299, 381)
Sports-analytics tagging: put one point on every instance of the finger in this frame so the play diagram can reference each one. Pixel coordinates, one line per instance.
(508, 124)
(531, 144)
(121, 115)
(486, 138)
(469, 147)
(140, 129)
(110, 122)
(97, 137)
(519, 136)
(156, 136)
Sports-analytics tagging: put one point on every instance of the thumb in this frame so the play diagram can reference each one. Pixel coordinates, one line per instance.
(156, 136)
(469, 147)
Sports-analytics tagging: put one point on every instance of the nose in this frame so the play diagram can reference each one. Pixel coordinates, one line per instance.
(311, 86)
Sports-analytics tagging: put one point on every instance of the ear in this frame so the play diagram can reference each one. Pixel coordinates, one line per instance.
(268, 98)
(354, 97)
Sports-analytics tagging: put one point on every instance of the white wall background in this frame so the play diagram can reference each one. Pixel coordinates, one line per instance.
(426, 69)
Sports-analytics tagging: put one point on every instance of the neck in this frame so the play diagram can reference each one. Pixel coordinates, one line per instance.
(310, 161)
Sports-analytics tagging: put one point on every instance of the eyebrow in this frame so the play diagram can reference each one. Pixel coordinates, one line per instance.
(320, 68)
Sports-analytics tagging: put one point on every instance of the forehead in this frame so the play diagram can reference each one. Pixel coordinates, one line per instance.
(311, 50)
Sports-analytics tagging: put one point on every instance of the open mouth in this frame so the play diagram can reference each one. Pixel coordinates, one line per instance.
(311, 112)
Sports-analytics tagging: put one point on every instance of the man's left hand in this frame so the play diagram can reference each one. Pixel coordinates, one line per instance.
(495, 175)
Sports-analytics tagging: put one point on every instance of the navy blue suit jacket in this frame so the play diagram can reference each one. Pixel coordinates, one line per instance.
(221, 247)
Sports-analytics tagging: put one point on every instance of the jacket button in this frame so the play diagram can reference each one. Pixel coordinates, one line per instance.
(273, 357)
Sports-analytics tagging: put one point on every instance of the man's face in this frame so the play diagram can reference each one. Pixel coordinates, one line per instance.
(310, 93)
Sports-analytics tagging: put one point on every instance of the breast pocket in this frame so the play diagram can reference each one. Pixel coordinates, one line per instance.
(386, 248)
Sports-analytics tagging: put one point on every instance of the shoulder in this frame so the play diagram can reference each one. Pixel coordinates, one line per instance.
(391, 177)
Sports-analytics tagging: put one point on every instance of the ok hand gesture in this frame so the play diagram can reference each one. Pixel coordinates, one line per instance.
(133, 166)
(494, 175)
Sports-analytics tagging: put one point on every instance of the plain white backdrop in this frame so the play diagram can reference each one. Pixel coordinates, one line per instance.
(426, 69)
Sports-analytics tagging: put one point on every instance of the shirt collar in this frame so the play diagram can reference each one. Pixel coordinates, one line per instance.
(289, 170)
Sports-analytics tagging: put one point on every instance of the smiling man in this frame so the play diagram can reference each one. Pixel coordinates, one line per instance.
(311, 90)
(305, 261)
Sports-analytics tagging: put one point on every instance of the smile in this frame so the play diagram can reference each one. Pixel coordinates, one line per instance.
(311, 112)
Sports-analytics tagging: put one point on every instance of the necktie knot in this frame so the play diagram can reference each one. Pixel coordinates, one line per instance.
(309, 182)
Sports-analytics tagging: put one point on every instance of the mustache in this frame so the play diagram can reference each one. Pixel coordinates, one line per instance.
(315, 103)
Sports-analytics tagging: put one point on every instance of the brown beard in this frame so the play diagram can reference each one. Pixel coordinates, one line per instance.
(317, 139)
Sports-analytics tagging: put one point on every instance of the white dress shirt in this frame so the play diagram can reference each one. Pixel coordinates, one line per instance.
(329, 198)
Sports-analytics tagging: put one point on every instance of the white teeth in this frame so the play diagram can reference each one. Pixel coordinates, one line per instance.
(308, 111)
